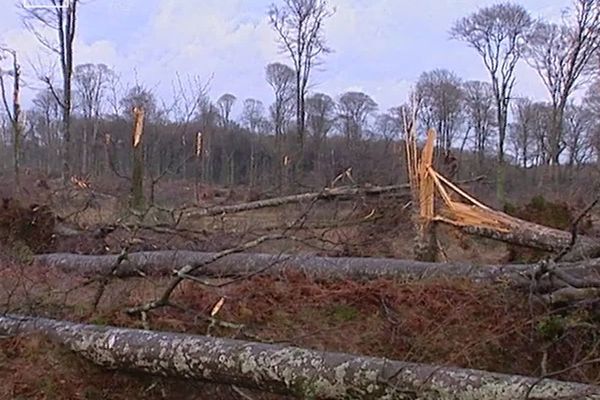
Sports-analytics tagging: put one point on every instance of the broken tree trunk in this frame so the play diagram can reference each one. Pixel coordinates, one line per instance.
(287, 370)
(473, 217)
(137, 171)
(15, 115)
(426, 247)
(167, 262)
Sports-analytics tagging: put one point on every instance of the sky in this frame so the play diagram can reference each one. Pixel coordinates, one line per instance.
(380, 46)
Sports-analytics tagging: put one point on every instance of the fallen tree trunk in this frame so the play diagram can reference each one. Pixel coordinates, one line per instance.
(287, 370)
(325, 194)
(167, 262)
(541, 237)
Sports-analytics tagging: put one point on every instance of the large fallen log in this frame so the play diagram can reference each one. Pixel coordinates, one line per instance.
(287, 370)
(541, 237)
(325, 194)
(166, 262)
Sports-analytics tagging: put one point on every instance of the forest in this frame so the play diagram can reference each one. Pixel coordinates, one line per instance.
(320, 246)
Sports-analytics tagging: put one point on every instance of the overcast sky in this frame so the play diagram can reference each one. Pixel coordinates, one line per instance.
(380, 46)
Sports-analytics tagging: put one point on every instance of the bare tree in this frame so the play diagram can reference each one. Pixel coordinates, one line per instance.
(141, 97)
(253, 114)
(497, 33)
(403, 113)
(354, 108)
(591, 102)
(561, 54)
(48, 115)
(578, 122)
(521, 131)
(299, 26)
(529, 131)
(208, 118)
(253, 118)
(281, 78)
(91, 81)
(320, 115)
(542, 123)
(388, 127)
(479, 107)
(225, 104)
(62, 19)
(115, 91)
(320, 118)
(441, 98)
(14, 113)
(190, 99)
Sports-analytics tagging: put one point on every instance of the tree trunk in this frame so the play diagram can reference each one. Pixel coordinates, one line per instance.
(426, 246)
(235, 265)
(232, 169)
(84, 150)
(17, 134)
(326, 194)
(501, 169)
(96, 148)
(542, 238)
(137, 175)
(66, 125)
(282, 369)
(252, 166)
(15, 118)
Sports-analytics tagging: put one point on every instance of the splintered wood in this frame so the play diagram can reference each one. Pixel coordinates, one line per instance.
(138, 130)
(457, 208)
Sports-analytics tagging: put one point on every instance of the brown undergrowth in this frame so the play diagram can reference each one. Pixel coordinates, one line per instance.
(452, 322)
(445, 322)
(26, 226)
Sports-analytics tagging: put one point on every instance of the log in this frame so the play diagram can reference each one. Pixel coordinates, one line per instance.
(541, 237)
(285, 370)
(166, 262)
(325, 194)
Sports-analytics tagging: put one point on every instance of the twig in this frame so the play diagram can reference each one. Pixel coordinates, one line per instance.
(241, 393)
(559, 372)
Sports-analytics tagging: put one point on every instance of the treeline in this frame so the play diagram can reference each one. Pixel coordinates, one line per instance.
(193, 136)
(82, 124)
(256, 147)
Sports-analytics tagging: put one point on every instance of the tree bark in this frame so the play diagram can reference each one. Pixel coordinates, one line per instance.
(235, 265)
(286, 370)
